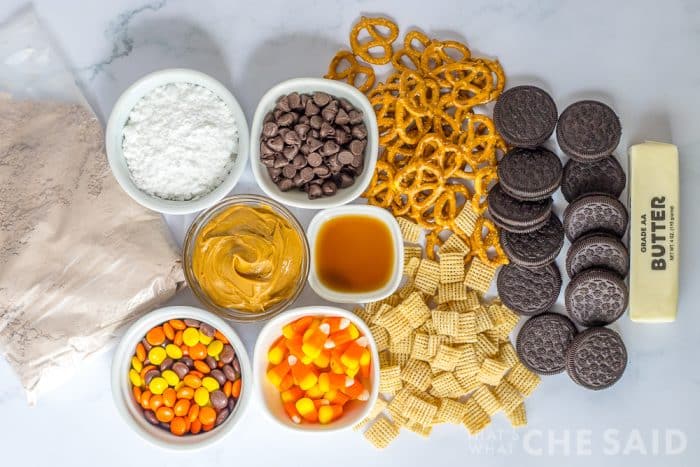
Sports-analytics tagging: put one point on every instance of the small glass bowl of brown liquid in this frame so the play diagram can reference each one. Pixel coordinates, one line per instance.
(356, 254)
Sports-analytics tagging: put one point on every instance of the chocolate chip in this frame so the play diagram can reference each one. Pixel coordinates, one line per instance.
(289, 171)
(286, 119)
(342, 137)
(274, 173)
(265, 150)
(290, 151)
(303, 119)
(326, 129)
(357, 146)
(341, 117)
(299, 161)
(329, 148)
(276, 113)
(329, 188)
(285, 184)
(315, 122)
(298, 180)
(314, 144)
(268, 161)
(345, 157)
(280, 161)
(315, 191)
(359, 131)
(268, 118)
(307, 174)
(311, 109)
(283, 104)
(321, 98)
(314, 159)
(292, 138)
(294, 101)
(322, 171)
(328, 113)
(355, 117)
(315, 133)
(357, 161)
(270, 129)
(304, 99)
(305, 148)
(345, 104)
(333, 164)
(276, 144)
(302, 129)
(345, 180)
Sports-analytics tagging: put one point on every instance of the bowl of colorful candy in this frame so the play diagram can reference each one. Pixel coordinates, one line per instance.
(181, 377)
(317, 369)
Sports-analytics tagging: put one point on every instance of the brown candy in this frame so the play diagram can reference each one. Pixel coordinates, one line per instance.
(313, 142)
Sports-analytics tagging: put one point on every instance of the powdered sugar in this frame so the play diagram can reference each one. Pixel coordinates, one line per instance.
(180, 142)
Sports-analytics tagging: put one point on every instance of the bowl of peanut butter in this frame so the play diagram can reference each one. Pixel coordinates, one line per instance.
(246, 258)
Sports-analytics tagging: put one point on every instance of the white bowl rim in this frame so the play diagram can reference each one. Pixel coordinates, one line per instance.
(115, 126)
(338, 89)
(275, 325)
(363, 297)
(121, 389)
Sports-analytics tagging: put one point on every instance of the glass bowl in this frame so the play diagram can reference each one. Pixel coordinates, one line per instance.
(204, 218)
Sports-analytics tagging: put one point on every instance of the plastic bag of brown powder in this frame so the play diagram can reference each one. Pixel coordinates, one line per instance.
(78, 258)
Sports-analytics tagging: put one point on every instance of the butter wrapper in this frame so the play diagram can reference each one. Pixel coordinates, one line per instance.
(654, 232)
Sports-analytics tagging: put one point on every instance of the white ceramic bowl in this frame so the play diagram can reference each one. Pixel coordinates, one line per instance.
(269, 395)
(120, 115)
(121, 386)
(364, 297)
(300, 199)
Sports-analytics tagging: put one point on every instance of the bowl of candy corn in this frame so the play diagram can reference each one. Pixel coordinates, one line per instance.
(181, 377)
(317, 369)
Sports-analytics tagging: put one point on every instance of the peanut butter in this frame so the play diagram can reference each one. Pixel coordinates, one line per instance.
(248, 258)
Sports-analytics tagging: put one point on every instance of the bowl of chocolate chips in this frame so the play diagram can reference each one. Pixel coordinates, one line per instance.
(314, 143)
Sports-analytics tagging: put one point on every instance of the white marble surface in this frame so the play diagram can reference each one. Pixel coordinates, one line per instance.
(640, 56)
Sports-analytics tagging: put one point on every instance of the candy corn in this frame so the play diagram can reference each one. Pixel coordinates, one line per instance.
(319, 364)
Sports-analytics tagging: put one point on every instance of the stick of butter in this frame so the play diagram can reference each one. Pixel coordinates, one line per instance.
(654, 229)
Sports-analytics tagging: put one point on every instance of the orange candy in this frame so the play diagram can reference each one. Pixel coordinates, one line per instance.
(236, 388)
(193, 413)
(185, 392)
(178, 426)
(195, 427)
(202, 366)
(155, 336)
(198, 351)
(156, 402)
(140, 351)
(165, 414)
(192, 380)
(207, 416)
(169, 397)
(145, 399)
(227, 388)
(168, 331)
(181, 407)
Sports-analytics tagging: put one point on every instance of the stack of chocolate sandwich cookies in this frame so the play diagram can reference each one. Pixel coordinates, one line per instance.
(595, 222)
(532, 235)
(521, 203)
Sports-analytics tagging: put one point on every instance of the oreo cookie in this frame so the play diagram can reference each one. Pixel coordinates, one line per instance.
(525, 116)
(597, 358)
(582, 178)
(530, 174)
(543, 341)
(588, 131)
(534, 249)
(529, 291)
(595, 297)
(517, 216)
(597, 251)
(595, 213)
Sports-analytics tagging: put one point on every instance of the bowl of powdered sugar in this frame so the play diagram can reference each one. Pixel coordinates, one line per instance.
(177, 141)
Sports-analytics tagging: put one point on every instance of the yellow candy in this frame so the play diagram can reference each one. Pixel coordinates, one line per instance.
(210, 384)
(171, 377)
(136, 364)
(201, 396)
(134, 378)
(158, 385)
(204, 339)
(173, 351)
(190, 336)
(156, 355)
(215, 348)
